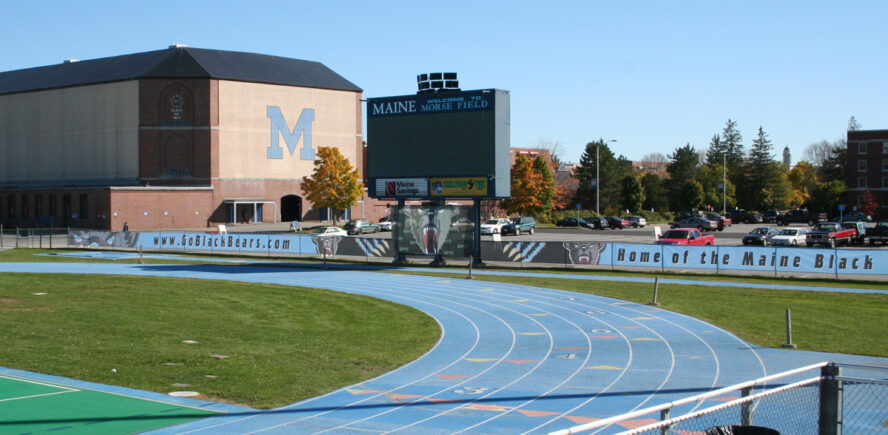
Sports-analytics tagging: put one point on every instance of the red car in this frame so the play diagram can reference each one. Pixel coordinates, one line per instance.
(685, 236)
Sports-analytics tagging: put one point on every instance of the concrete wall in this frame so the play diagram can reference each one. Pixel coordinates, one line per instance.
(245, 129)
(85, 133)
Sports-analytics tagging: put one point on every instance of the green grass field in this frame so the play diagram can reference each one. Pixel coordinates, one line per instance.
(282, 343)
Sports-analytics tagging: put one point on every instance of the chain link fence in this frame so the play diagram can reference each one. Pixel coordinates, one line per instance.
(829, 404)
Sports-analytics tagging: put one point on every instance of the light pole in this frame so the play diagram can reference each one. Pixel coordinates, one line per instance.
(597, 180)
(724, 184)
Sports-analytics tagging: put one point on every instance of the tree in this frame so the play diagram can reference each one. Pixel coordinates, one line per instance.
(827, 196)
(655, 194)
(869, 205)
(834, 166)
(732, 141)
(853, 125)
(653, 160)
(711, 177)
(818, 153)
(527, 184)
(611, 171)
(555, 149)
(683, 164)
(803, 178)
(761, 177)
(334, 182)
(547, 184)
(690, 195)
(631, 193)
(716, 150)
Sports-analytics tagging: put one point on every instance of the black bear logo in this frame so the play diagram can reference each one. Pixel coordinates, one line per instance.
(584, 253)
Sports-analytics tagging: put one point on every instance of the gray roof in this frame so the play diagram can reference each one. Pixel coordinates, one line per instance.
(177, 62)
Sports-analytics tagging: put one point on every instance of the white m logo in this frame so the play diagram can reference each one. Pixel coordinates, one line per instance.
(291, 138)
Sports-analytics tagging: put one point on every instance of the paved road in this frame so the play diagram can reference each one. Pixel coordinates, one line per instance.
(512, 358)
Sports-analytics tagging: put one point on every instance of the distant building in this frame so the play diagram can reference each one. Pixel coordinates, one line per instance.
(867, 167)
(532, 153)
(787, 158)
(650, 167)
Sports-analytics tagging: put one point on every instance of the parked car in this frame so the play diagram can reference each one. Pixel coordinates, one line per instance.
(721, 221)
(520, 225)
(329, 232)
(701, 224)
(878, 233)
(617, 222)
(854, 216)
(771, 216)
(800, 216)
(494, 226)
(760, 236)
(360, 226)
(573, 222)
(636, 221)
(859, 228)
(747, 217)
(685, 236)
(598, 223)
(790, 237)
(829, 234)
(385, 224)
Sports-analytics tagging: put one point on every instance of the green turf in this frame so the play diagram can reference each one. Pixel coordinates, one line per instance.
(283, 343)
(29, 407)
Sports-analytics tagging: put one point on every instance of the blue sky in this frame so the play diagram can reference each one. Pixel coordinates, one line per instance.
(653, 75)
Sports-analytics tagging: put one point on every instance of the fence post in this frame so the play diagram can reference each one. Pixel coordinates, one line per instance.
(746, 408)
(664, 415)
(830, 422)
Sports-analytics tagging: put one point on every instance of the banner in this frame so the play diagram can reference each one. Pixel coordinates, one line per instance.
(656, 257)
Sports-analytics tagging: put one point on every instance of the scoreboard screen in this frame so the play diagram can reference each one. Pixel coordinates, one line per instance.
(450, 144)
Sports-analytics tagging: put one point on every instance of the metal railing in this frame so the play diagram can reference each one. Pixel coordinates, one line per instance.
(827, 404)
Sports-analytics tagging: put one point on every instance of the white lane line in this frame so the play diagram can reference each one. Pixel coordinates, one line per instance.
(37, 395)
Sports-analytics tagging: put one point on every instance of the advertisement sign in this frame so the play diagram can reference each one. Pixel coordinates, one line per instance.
(459, 186)
(402, 187)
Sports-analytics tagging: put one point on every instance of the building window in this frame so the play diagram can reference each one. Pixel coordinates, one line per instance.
(83, 210)
(884, 147)
(52, 205)
(861, 182)
(38, 205)
(10, 206)
(884, 165)
(24, 206)
(884, 182)
(861, 166)
(861, 148)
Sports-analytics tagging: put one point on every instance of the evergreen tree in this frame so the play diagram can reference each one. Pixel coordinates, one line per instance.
(732, 141)
(611, 171)
(690, 195)
(631, 194)
(853, 125)
(833, 168)
(761, 177)
(655, 194)
(682, 167)
(715, 151)
(334, 182)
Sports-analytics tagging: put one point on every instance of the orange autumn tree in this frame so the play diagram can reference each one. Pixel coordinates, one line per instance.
(526, 188)
(334, 182)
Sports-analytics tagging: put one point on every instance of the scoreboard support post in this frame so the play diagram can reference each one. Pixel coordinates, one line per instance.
(476, 236)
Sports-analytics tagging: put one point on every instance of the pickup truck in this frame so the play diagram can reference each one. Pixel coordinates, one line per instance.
(879, 233)
(746, 217)
(800, 216)
(685, 236)
(859, 231)
(829, 234)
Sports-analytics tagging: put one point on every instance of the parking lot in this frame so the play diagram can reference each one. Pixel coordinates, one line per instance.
(731, 236)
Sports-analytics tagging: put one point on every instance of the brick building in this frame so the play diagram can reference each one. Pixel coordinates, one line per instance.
(867, 167)
(175, 138)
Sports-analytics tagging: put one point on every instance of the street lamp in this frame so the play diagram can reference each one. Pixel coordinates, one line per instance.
(597, 180)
